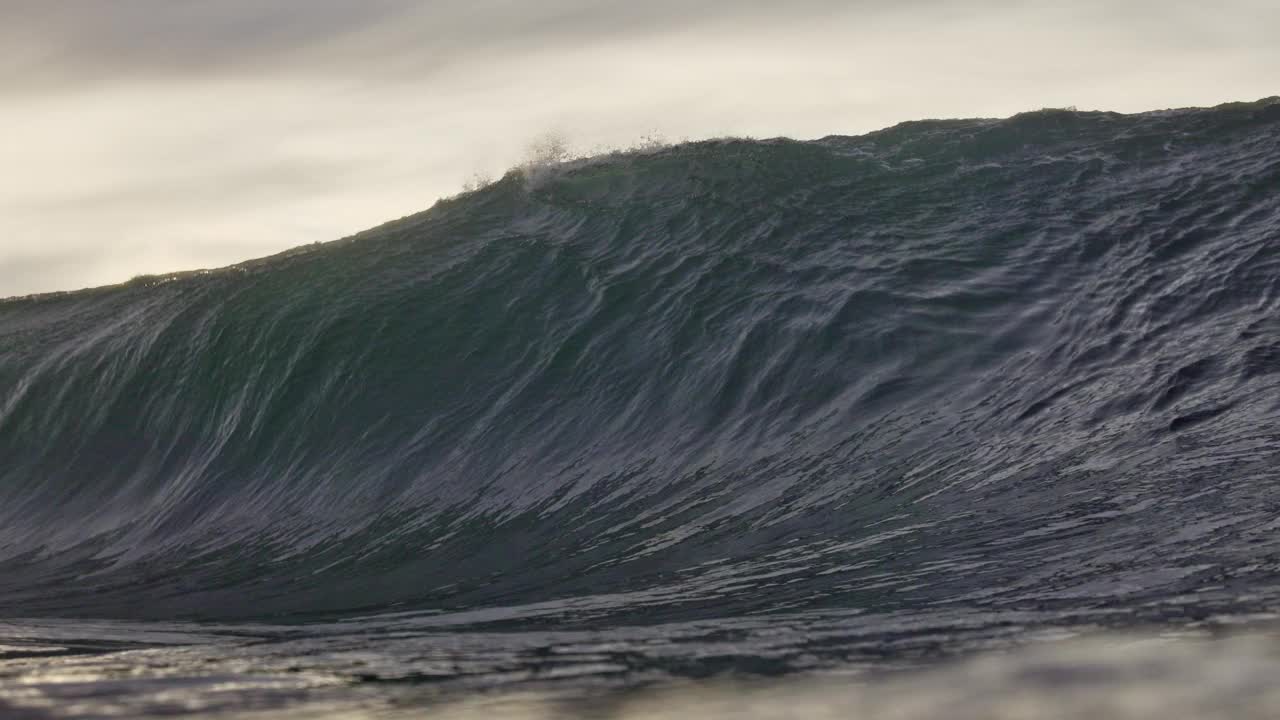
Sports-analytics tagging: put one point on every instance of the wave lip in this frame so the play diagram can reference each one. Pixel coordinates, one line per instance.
(1008, 364)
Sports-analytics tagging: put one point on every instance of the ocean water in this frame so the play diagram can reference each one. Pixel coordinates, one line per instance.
(965, 416)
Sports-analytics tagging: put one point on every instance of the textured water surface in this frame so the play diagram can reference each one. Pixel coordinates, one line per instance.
(726, 409)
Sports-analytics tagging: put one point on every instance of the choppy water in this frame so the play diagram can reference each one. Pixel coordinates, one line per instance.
(731, 408)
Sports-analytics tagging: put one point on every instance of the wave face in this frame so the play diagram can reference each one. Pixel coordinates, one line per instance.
(1021, 364)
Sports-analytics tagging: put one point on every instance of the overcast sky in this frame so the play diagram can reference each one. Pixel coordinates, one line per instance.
(143, 136)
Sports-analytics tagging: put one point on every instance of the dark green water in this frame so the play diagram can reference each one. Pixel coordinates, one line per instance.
(797, 405)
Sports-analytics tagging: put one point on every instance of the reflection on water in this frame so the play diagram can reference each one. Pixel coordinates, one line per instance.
(390, 670)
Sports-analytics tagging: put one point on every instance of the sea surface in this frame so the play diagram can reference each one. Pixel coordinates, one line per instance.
(962, 418)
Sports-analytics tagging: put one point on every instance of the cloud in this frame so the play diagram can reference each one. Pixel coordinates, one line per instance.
(155, 135)
(177, 35)
(164, 35)
(52, 45)
(90, 40)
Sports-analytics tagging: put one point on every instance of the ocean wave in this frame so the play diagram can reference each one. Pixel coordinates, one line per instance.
(1014, 364)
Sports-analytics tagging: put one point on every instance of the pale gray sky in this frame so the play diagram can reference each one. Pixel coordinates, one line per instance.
(145, 136)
